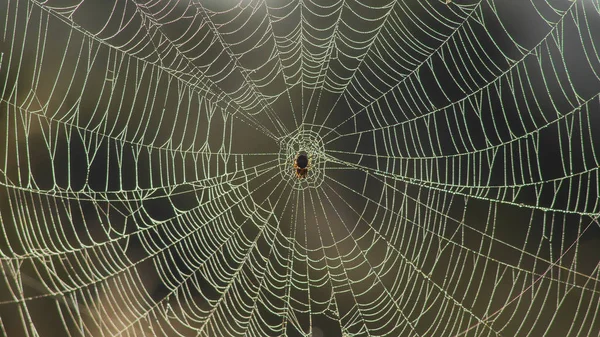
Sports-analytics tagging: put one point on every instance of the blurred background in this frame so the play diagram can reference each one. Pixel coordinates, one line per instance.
(147, 187)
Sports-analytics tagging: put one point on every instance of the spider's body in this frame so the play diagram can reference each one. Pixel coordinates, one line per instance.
(301, 165)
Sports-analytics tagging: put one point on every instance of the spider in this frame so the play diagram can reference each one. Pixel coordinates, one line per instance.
(301, 165)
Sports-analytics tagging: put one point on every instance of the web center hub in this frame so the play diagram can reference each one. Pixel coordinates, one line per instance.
(302, 159)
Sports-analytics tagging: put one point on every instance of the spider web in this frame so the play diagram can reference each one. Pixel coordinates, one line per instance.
(148, 188)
